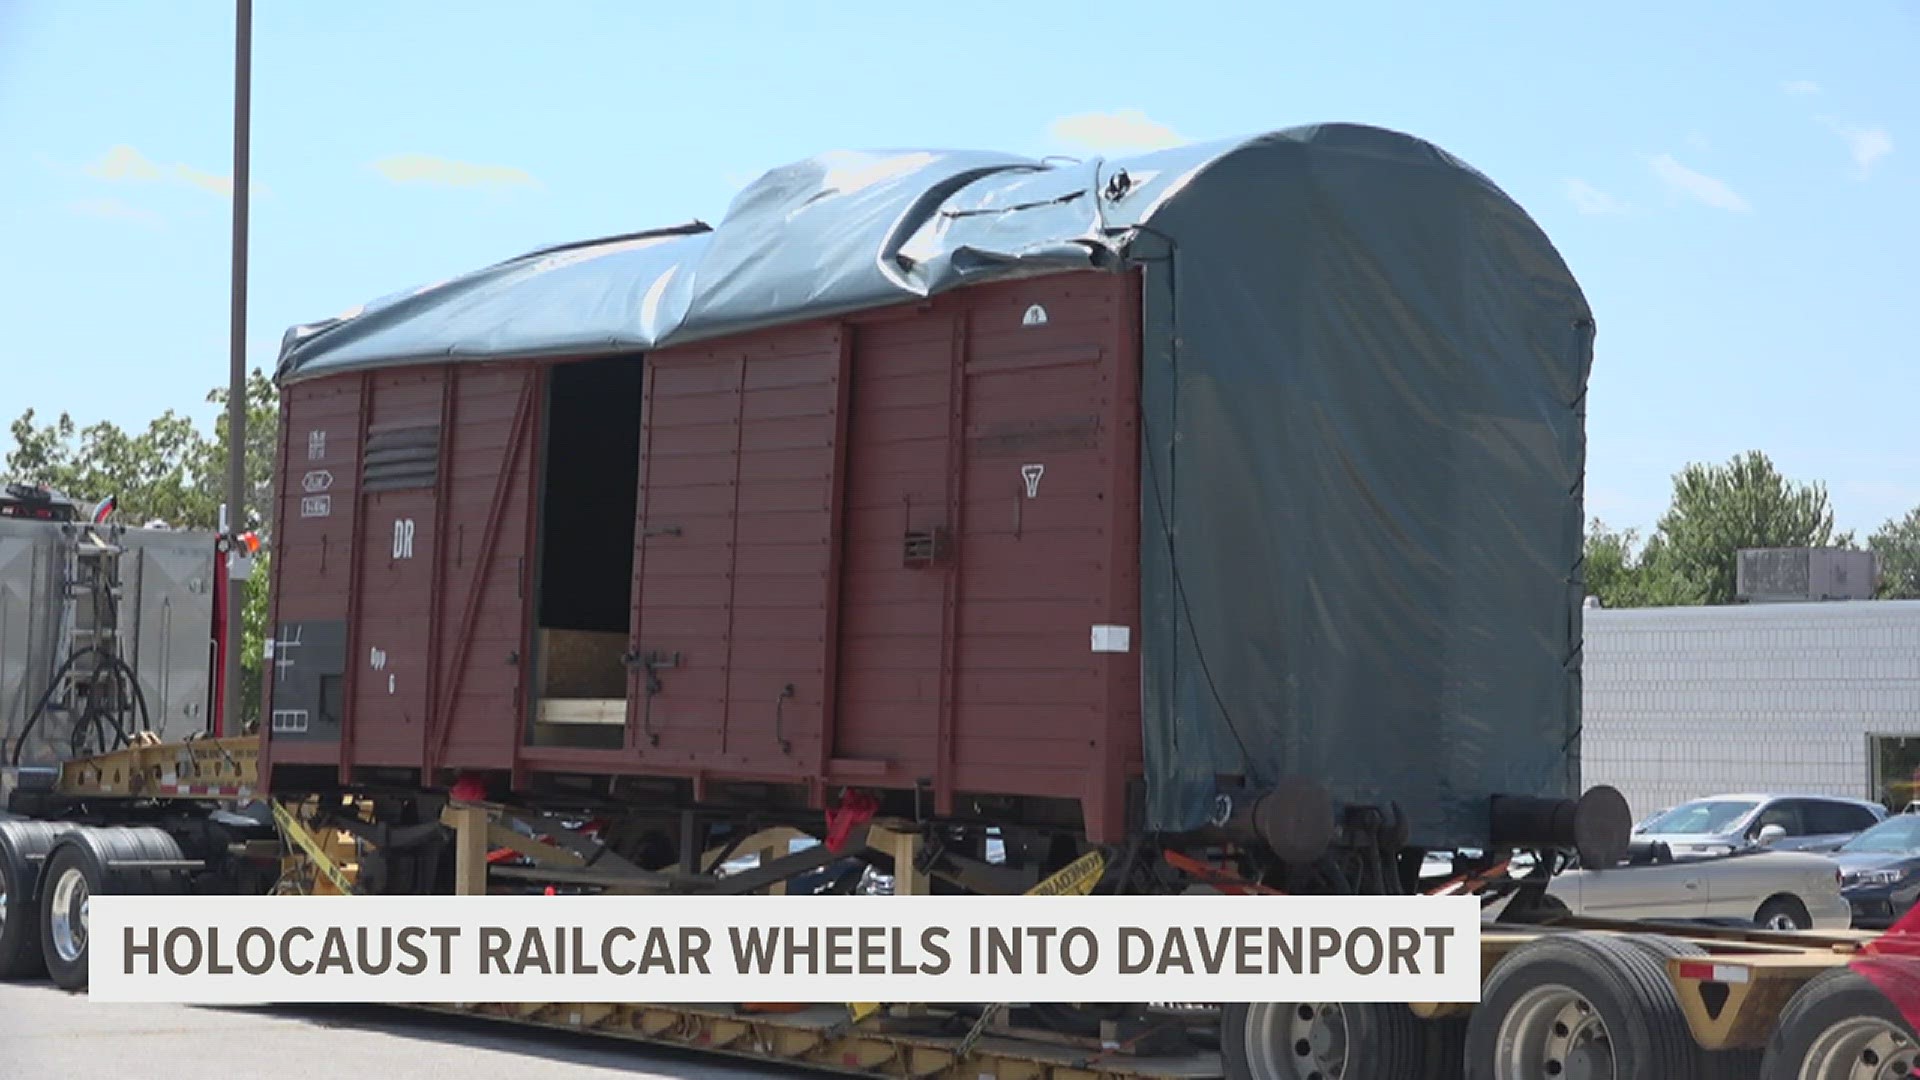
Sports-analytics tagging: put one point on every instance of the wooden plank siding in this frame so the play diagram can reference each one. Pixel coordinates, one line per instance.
(843, 561)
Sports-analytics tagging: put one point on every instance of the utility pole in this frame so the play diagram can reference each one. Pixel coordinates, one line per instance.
(237, 374)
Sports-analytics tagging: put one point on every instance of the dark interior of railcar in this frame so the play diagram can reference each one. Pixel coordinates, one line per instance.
(588, 487)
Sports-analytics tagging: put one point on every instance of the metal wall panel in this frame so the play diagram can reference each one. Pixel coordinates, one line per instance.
(29, 623)
(1686, 702)
(166, 625)
(167, 579)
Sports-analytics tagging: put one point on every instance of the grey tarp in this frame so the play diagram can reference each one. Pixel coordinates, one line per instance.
(1364, 375)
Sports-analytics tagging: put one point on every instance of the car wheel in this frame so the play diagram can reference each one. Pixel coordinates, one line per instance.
(1783, 913)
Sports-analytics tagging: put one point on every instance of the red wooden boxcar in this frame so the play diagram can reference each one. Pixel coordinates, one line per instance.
(867, 551)
(1099, 498)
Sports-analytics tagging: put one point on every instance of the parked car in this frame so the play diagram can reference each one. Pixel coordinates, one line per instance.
(1724, 824)
(1880, 871)
(1779, 890)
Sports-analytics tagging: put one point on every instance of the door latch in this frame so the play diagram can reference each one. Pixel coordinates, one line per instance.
(653, 662)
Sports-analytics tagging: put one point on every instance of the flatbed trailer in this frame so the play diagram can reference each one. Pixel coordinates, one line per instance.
(1577, 997)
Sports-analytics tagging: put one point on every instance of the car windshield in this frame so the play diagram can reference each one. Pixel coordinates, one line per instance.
(1706, 817)
(1899, 835)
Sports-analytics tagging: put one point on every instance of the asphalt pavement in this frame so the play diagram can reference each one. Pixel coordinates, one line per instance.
(48, 1033)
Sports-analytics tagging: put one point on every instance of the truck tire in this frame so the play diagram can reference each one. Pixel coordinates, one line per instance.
(22, 844)
(82, 864)
(1579, 1004)
(1448, 1059)
(1303, 1040)
(1741, 1064)
(1842, 1025)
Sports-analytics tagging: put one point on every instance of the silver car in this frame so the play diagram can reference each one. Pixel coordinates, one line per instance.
(1724, 824)
(1780, 890)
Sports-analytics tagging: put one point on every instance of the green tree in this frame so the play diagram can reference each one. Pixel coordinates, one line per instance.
(1897, 543)
(155, 474)
(1610, 566)
(1746, 503)
(263, 444)
(1624, 573)
(171, 472)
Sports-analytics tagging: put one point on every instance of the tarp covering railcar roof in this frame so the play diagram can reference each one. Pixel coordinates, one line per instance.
(1362, 426)
(842, 231)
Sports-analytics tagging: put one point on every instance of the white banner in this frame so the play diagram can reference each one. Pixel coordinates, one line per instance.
(259, 950)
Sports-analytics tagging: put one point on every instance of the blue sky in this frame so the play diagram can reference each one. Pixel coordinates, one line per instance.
(1734, 184)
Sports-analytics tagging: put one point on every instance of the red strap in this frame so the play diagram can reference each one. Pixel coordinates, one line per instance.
(855, 809)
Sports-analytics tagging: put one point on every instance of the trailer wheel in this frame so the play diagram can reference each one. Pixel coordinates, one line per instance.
(1579, 1005)
(1324, 1041)
(1740, 1064)
(81, 865)
(1842, 1026)
(22, 843)
(1448, 1058)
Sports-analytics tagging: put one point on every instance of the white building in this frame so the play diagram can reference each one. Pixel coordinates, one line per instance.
(1816, 698)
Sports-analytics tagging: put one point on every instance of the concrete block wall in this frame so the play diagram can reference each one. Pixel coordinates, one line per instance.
(1684, 702)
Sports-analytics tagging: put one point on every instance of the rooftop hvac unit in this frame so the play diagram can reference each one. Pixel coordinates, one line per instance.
(1779, 575)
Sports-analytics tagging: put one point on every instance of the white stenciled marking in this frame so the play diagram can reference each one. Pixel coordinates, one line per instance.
(282, 660)
(1031, 474)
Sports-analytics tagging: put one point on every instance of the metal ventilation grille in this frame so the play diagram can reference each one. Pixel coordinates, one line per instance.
(400, 458)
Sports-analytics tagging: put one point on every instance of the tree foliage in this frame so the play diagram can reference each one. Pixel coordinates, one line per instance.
(1691, 558)
(1623, 572)
(171, 473)
(1897, 543)
(1746, 503)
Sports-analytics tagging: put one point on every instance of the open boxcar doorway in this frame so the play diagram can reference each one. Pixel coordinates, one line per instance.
(589, 483)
